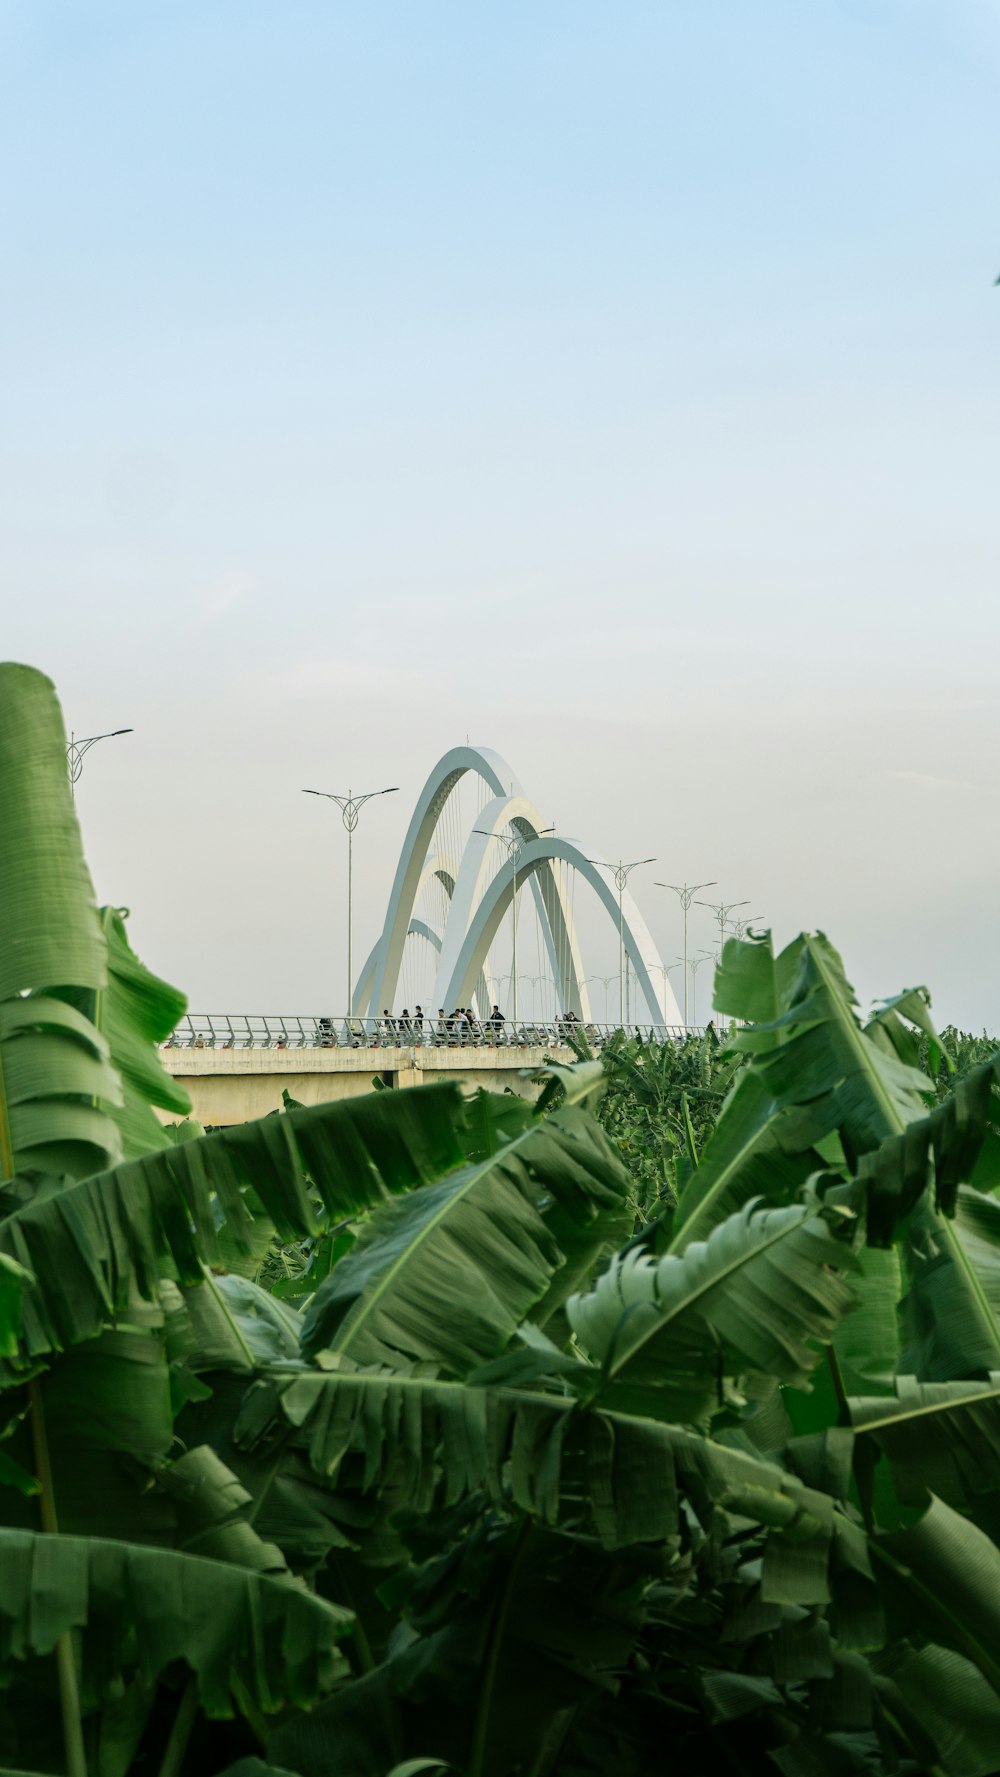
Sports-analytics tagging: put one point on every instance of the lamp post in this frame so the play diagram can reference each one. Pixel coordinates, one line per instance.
(75, 750)
(696, 962)
(621, 873)
(722, 910)
(606, 981)
(513, 844)
(350, 808)
(740, 927)
(685, 893)
(666, 970)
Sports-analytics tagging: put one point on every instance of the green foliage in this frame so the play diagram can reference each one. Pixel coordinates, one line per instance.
(565, 1442)
(660, 1105)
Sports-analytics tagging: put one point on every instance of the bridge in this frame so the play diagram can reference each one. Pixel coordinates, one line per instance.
(236, 1067)
(442, 945)
(469, 877)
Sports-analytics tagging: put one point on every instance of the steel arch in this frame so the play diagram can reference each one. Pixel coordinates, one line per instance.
(479, 895)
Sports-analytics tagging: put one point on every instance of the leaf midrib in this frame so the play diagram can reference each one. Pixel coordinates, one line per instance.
(372, 1298)
(965, 1400)
(687, 1232)
(719, 1278)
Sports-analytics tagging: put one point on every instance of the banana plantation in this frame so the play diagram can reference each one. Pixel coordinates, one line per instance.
(654, 1426)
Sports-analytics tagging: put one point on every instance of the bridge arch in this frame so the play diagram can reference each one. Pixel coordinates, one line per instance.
(478, 894)
(448, 772)
(661, 1006)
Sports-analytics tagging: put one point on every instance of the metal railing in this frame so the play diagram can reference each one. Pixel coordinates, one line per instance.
(258, 1030)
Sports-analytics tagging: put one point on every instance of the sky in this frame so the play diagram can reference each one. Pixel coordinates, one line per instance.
(614, 386)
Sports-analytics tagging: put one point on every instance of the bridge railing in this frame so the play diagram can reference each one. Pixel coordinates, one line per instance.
(259, 1030)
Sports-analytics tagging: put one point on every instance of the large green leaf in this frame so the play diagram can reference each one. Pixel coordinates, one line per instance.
(816, 1054)
(815, 1075)
(939, 1437)
(753, 1298)
(99, 1239)
(54, 1072)
(951, 1312)
(950, 1146)
(136, 1011)
(848, 1083)
(866, 1343)
(951, 1702)
(446, 1275)
(944, 1574)
(757, 1150)
(546, 1454)
(245, 1637)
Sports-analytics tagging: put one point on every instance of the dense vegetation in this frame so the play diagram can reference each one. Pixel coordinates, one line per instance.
(549, 1453)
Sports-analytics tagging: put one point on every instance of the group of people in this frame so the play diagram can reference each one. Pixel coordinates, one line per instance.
(453, 1028)
(459, 1026)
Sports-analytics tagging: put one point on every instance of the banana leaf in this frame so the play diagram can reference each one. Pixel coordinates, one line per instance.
(753, 1298)
(446, 1275)
(55, 1076)
(951, 1311)
(948, 1147)
(942, 1575)
(136, 1011)
(545, 1454)
(244, 1636)
(815, 1074)
(815, 1053)
(951, 1701)
(939, 1437)
(757, 1150)
(89, 1246)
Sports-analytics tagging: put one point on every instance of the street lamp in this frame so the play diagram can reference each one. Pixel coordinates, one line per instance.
(686, 893)
(740, 927)
(513, 844)
(722, 910)
(75, 750)
(696, 962)
(606, 980)
(621, 873)
(350, 807)
(666, 970)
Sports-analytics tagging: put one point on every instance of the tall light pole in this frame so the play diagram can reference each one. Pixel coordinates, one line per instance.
(75, 750)
(621, 873)
(722, 910)
(696, 962)
(350, 808)
(514, 844)
(685, 893)
(666, 970)
(740, 927)
(606, 981)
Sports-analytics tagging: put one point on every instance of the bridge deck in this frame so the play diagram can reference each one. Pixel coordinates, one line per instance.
(234, 1085)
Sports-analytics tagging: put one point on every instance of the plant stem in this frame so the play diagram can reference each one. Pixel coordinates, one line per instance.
(187, 1709)
(480, 1730)
(69, 1691)
(838, 1383)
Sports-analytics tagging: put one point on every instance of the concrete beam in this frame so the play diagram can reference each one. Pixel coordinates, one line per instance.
(236, 1085)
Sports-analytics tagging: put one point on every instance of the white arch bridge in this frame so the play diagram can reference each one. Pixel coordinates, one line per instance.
(508, 851)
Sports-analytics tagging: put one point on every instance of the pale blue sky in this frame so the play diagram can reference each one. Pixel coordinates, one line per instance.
(617, 385)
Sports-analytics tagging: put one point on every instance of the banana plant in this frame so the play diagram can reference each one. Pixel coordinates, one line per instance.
(526, 1489)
